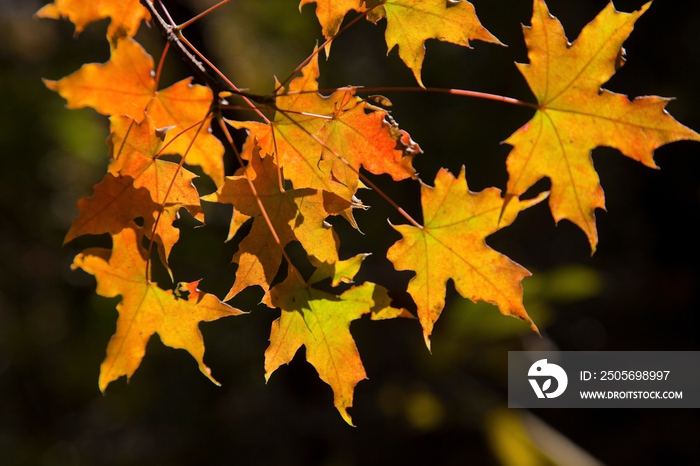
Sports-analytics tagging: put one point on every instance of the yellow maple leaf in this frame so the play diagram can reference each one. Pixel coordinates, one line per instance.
(145, 308)
(451, 245)
(321, 322)
(330, 13)
(411, 22)
(575, 115)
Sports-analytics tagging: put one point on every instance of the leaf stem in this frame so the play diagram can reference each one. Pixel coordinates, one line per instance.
(322, 47)
(162, 149)
(239, 107)
(405, 214)
(160, 66)
(214, 78)
(202, 14)
(126, 136)
(440, 90)
(223, 76)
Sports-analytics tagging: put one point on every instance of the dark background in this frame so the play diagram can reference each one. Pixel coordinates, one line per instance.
(638, 292)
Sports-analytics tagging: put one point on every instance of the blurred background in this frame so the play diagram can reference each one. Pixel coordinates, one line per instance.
(638, 292)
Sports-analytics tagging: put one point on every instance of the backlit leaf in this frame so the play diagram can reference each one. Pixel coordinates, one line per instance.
(451, 245)
(321, 322)
(125, 86)
(126, 15)
(330, 13)
(135, 149)
(321, 142)
(183, 105)
(575, 115)
(145, 308)
(411, 22)
(122, 86)
(296, 215)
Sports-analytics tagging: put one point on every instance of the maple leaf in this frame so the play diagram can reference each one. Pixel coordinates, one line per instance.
(114, 204)
(135, 151)
(321, 322)
(575, 115)
(125, 86)
(322, 141)
(296, 215)
(126, 15)
(411, 22)
(182, 106)
(145, 308)
(451, 245)
(122, 86)
(339, 271)
(330, 14)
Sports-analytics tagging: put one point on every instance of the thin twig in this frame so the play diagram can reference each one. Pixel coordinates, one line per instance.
(323, 46)
(162, 149)
(245, 96)
(160, 66)
(202, 14)
(440, 90)
(172, 34)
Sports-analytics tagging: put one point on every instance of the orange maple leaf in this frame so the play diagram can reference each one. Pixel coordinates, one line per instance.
(125, 86)
(451, 245)
(411, 22)
(135, 151)
(145, 308)
(296, 215)
(575, 115)
(321, 142)
(122, 86)
(182, 106)
(114, 204)
(321, 322)
(126, 15)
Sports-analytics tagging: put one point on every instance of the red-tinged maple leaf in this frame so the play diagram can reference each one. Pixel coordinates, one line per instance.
(411, 22)
(135, 149)
(126, 15)
(575, 115)
(295, 215)
(125, 86)
(114, 204)
(321, 322)
(451, 245)
(145, 308)
(321, 142)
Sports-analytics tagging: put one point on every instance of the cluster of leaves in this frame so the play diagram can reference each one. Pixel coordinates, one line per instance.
(307, 162)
